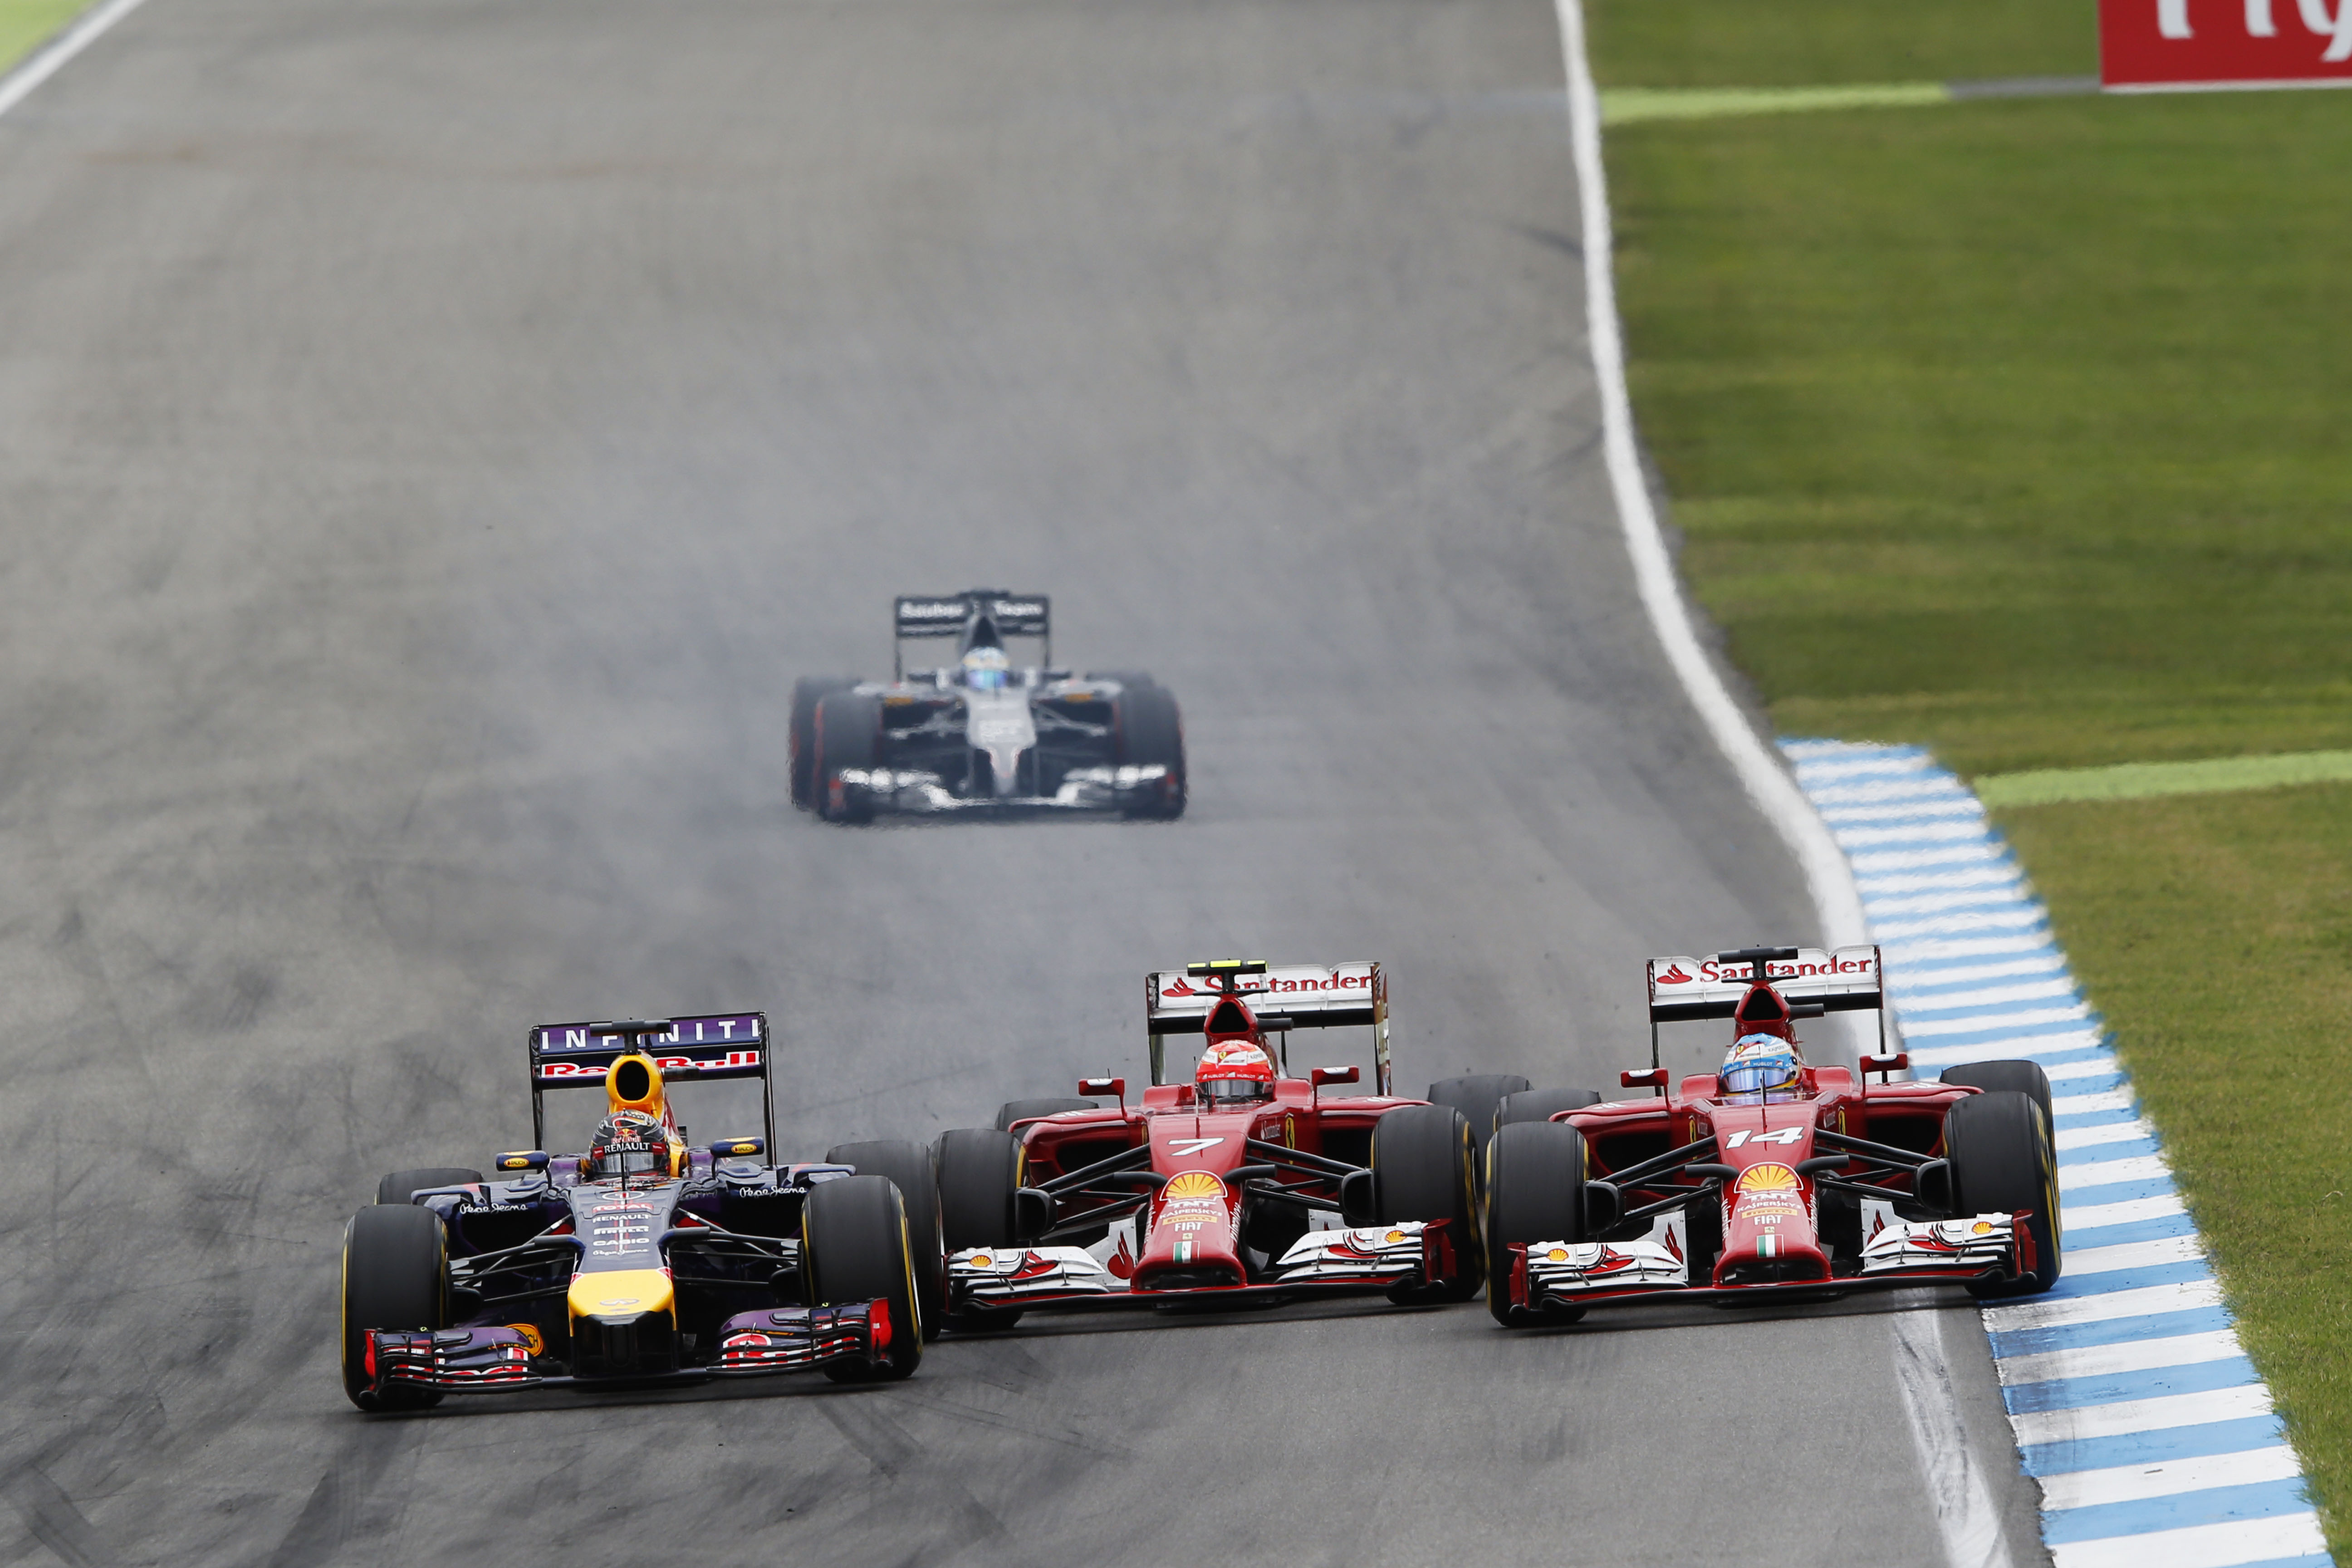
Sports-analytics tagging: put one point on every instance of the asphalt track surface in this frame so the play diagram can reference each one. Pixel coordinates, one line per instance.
(434, 434)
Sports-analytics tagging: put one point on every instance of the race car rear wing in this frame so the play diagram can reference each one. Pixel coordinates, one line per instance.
(1811, 982)
(948, 615)
(1284, 996)
(1845, 981)
(688, 1050)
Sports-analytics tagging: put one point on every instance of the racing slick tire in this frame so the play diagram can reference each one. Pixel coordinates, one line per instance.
(1534, 1192)
(401, 1186)
(1477, 1096)
(854, 1247)
(807, 692)
(848, 735)
(908, 1166)
(1542, 1105)
(1423, 1169)
(979, 1175)
(2002, 1162)
(1013, 1111)
(2026, 1078)
(396, 1276)
(1150, 728)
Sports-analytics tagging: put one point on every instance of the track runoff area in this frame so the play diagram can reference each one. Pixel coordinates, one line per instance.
(2134, 1407)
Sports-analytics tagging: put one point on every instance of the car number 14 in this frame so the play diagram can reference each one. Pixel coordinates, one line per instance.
(1784, 1137)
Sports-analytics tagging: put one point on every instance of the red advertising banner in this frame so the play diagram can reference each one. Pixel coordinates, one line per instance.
(2224, 43)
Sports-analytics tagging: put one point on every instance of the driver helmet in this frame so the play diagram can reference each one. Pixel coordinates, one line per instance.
(987, 669)
(629, 1144)
(1760, 1065)
(1233, 1073)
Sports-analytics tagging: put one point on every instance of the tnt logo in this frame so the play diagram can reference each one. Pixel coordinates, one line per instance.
(2155, 43)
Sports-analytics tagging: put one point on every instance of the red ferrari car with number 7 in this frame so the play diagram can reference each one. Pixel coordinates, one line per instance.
(1773, 1178)
(1238, 1185)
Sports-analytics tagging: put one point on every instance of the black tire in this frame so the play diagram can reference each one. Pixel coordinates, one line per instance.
(1150, 728)
(1127, 678)
(1534, 1192)
(807, 692)
(396, 1276)
(1422, 1170)
(1013, 1111)
(848, 735)
(2002, 1162)
(2024, 1078)
(401, 1186)
(980, 1170)
(1542, 1105)
(909, 1167)
(855, 1247)
(1478, 1096)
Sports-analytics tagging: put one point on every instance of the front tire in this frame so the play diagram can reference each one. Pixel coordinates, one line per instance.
(2003, 1161)
(979, 1175)
(807, 692)
(1534, 1192)
(854, 1249)
(1542, 1105)
(1148, 729)
(908, 1168)
(848, 735)
(396, 1276)
(2025, 1078)
(1478, 1096)
(1422, 1170)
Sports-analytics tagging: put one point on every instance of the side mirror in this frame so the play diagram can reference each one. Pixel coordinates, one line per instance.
(1033, 1213)
(1359, 1200)
(526, 1160)
(1322, 1076)
(1932, 1183)
(1893, 1061)
(738, 1148)
(1112, 1085)
(1642, 1077)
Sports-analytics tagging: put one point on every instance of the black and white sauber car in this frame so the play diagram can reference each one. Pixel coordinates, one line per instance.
(982, 733)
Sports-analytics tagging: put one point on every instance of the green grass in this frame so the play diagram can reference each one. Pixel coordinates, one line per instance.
(2020, 427)
(2218, 935)
(27, 24)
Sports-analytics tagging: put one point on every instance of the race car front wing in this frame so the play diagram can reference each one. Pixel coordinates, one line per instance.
(498, 1359)
(1378, 1257)
(921, 791)
(1561, 1274)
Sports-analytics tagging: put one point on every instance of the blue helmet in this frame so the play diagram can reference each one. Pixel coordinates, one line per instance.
(1759, 1064)
(987, 669)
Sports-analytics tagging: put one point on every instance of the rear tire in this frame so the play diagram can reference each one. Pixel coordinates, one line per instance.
(1478, 1096)
(909, 1167)
(854, 1247)
(1148, 729)
(396, 1276)
(979, 1172)
(401, 1186)
(1534, 1192)
(1013, 1111)
(1422, 1170)
(2024, 1078)
(807, 692)
(2002, 1162)
(1542, 1105)
(848, 735)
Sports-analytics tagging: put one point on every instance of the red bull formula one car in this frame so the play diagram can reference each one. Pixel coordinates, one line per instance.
(1774, 1178)
(645, 1259)
(1239, 1184)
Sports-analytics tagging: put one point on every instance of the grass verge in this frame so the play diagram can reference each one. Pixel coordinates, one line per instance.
(26, 24)
(2012, 426)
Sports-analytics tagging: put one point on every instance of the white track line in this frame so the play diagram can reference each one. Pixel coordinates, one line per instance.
(1963, 1503)
(50, 57)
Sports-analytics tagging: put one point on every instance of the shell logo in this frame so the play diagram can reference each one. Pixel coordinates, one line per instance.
(1195, 1185)
(1768, 1178)
(1982, 1228)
